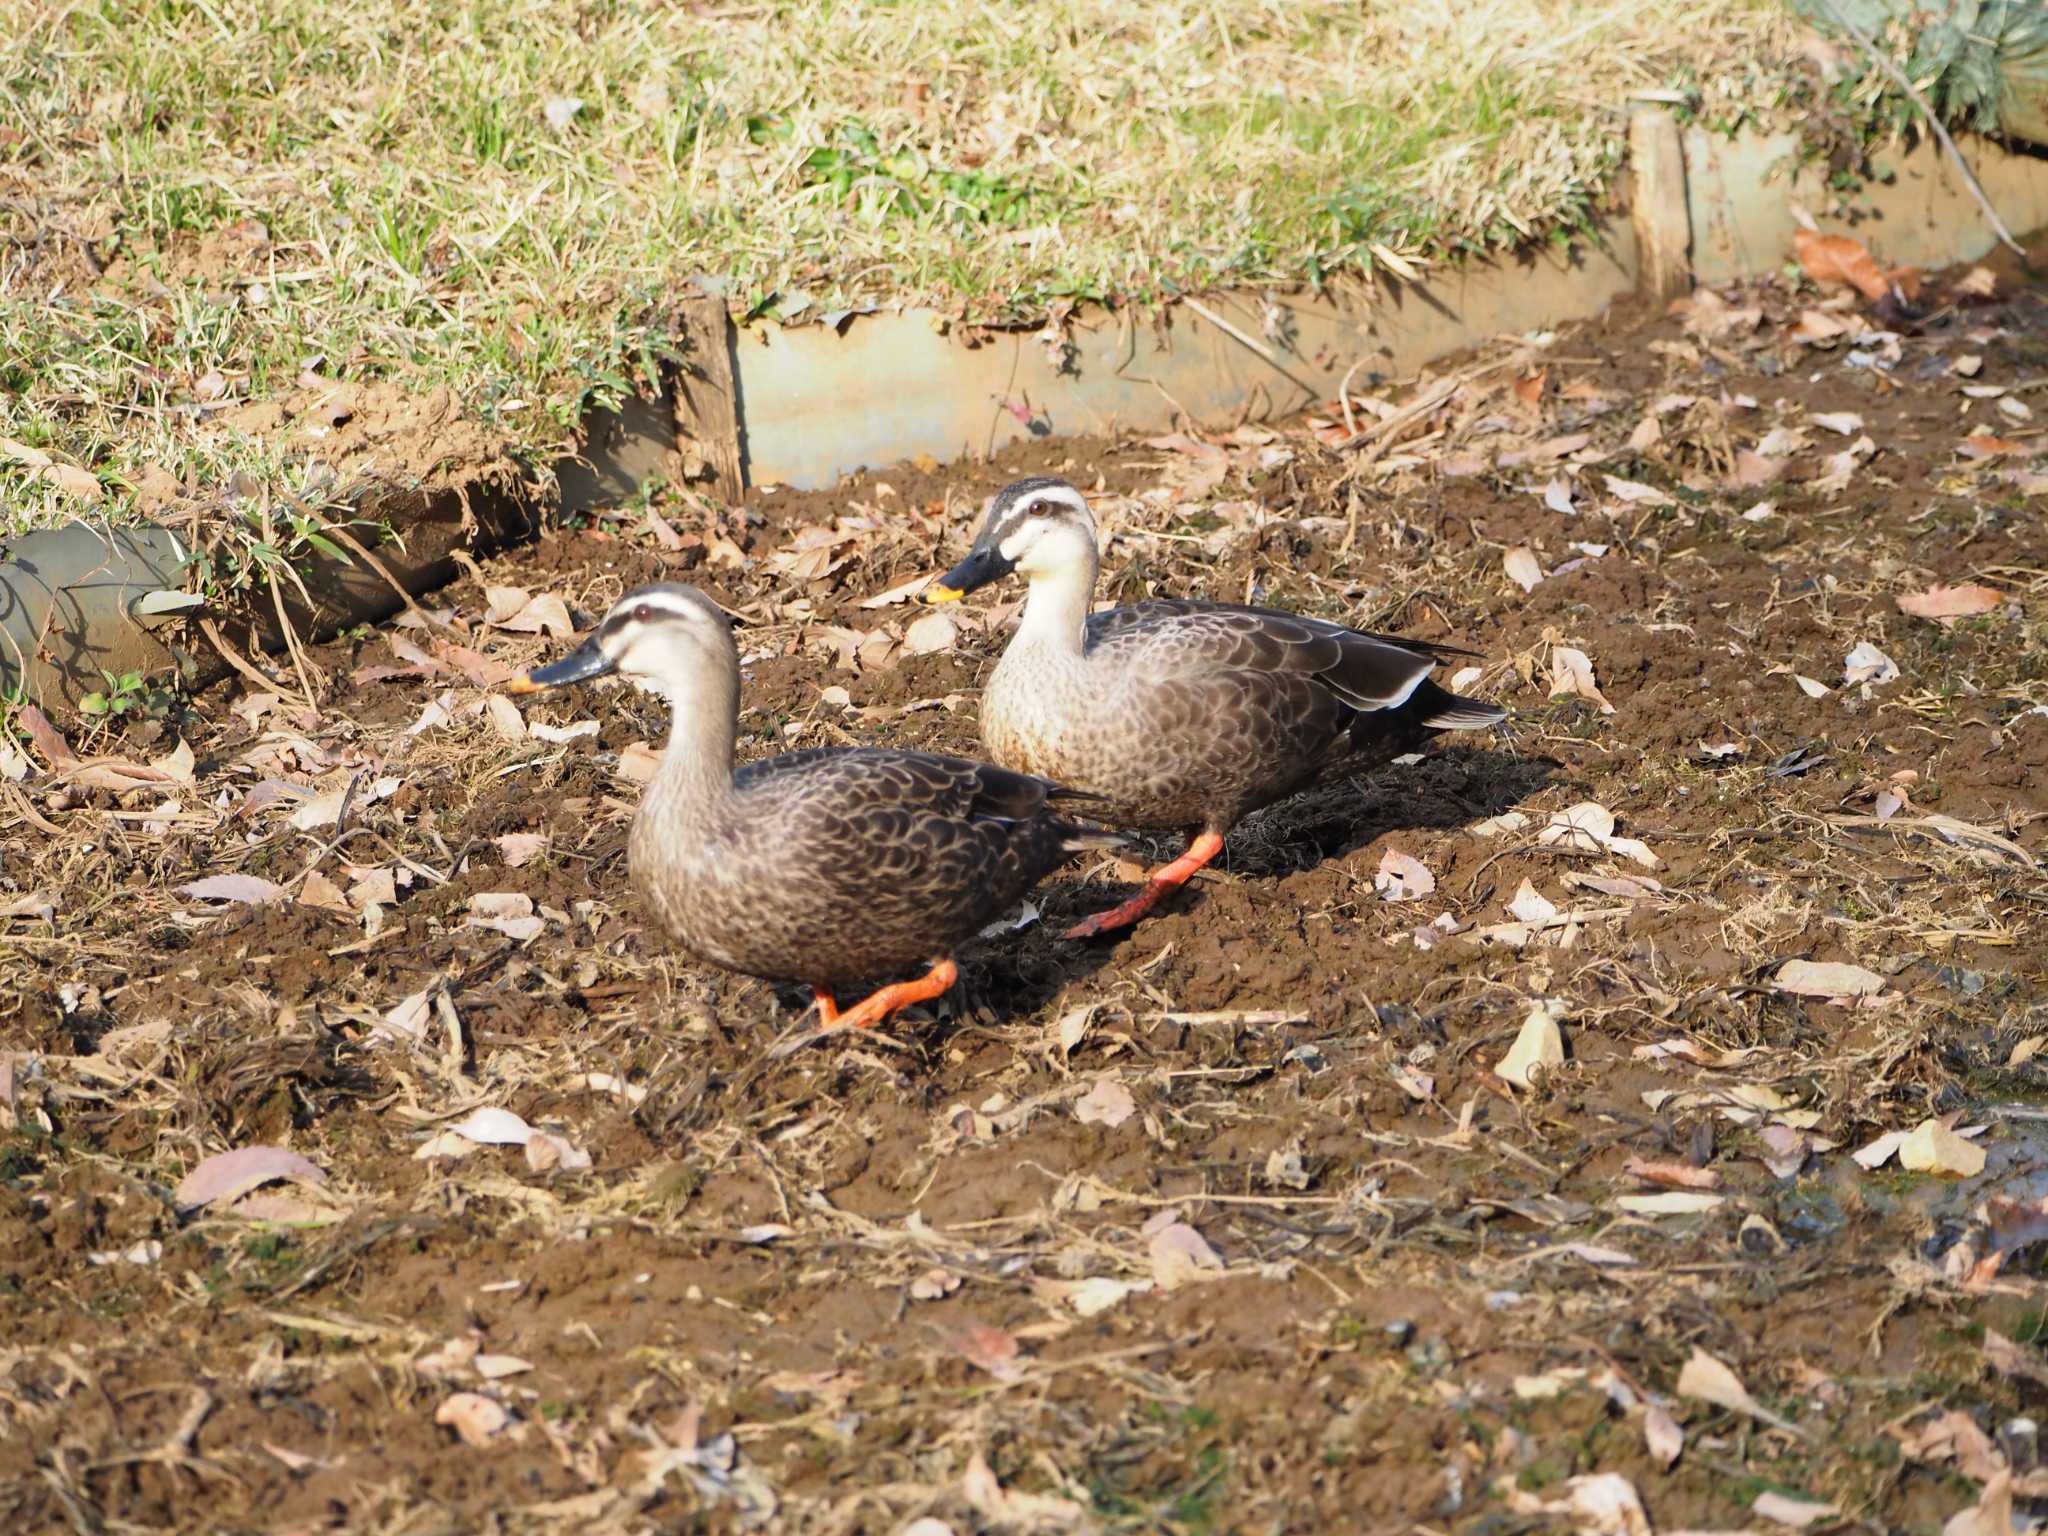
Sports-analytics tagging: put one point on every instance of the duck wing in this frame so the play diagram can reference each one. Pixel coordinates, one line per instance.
(1177, 638)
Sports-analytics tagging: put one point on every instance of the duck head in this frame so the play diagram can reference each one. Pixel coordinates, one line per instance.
(1036, 527)
(659, 638)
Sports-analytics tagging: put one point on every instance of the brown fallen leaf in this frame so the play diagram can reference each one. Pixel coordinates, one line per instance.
(1982, 445)
(319, 891)
(1837, 260)
(1709, 315)
(1931, 1147)
(1947, 604)
(1521, 566)
(1673, 1175)
(988, 1348)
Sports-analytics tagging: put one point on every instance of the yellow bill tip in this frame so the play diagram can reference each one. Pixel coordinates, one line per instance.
(938, 594)
(522, 683)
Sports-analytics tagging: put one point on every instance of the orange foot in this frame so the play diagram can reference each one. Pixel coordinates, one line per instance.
(871, 1011)
(1171, 877)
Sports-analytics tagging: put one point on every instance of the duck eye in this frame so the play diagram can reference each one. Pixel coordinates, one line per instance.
(643, 613)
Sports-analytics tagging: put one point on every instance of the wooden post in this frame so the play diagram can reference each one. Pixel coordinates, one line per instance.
(1657, 206)
(707, 406)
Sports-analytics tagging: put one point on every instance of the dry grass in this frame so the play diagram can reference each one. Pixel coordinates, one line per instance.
(209, 203)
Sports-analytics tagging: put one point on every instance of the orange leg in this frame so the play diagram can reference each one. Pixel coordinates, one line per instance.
(1171, 877)
(828, 1010)
(867, 1014)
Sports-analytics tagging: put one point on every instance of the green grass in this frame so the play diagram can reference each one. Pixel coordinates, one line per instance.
(211, 200)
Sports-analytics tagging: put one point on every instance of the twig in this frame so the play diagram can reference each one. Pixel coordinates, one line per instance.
(1239, 336)
(234, 657)
(1897, 77)
(355, 547)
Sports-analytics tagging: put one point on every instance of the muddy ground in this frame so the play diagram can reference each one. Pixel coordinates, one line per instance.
(1227, 1225)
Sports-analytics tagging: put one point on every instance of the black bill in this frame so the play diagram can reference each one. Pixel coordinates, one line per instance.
(579, 666)
(984, 564)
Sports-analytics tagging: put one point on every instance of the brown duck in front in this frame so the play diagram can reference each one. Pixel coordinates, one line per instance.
(823, 867)
(1181, 715)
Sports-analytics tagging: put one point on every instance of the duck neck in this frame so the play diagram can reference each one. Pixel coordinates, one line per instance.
(1055, 620)
(696, 766)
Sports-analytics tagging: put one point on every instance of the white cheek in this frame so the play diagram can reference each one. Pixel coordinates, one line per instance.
(1013, 548)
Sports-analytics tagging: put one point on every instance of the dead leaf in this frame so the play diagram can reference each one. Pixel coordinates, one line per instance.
(1983, 445)
(1977, 283)
(1401, 877)
(1953, 1436)
(1829, 979)
(1662, 1436)
(1837, 260)
(228, 1174)
(1072, 1027)
(1705, 313)
(477, 1420)
(638, 762)
(1571, 672)
(1992, 1515)
(934, 632)
(1932, 1147)
(1785, 1149)
(493, 1127)
(546, 1151)
(1538, 1050)
(1672, 1175)
(316, 890)
(1707, 1380)
(1945, 605)
(1181, 1255)
(241, 888)
(988, 1348)
(519, 849)
(1867, 664)
(1880, 1151)
(1108, 1103)
(507, 912)
(1522, 568)
(1636, 492)
(512, 609)
(1531, 905)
